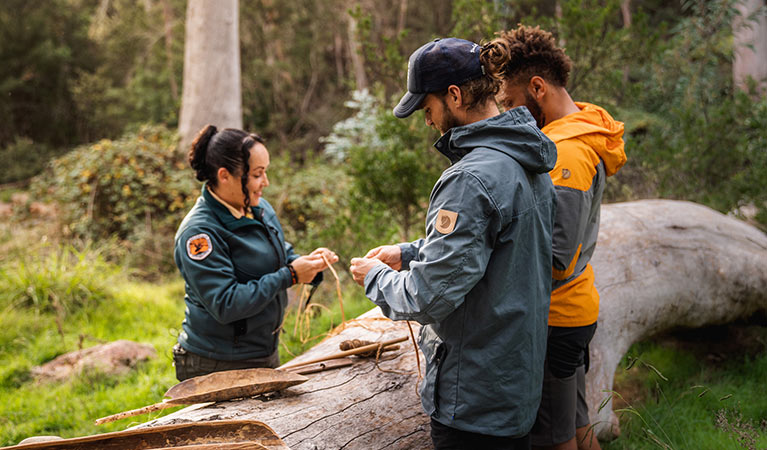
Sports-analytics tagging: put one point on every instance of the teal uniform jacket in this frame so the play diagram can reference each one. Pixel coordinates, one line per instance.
(236, 279)
(480, 281)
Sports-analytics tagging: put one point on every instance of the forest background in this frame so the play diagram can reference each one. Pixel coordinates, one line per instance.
(91, 94)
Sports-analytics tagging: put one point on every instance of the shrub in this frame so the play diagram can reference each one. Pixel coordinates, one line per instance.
(136, 189)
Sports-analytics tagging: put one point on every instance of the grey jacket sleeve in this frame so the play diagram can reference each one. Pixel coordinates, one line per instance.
(450, 261)
(573, 207)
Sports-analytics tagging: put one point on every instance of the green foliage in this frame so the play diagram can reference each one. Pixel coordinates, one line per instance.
(135, 189)
(24, 159)
(76, 71)
(479, 20)
(392, 171)
(309, 202)
(42, 45)
(63, 280)
(708, 144)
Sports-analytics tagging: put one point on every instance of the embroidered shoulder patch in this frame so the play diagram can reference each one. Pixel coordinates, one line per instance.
(199, 246)
(445, 222)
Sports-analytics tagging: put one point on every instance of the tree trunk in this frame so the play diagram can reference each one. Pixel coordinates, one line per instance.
(626, 14)
(749, 31)
(355, 54)
(211, 90)
(402, 16)
(167, 17)
(659, 264)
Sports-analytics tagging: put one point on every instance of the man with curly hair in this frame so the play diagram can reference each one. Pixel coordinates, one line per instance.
(534, 71)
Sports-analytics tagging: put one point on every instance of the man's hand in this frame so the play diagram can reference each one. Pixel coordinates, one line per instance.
(391, 255)
(361, 266)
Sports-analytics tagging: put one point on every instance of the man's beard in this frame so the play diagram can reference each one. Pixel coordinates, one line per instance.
(448, 119)
(535, 110)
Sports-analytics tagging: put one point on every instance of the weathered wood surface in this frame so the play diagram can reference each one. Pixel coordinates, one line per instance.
(252, 434)
(355, 407)
(659, 264)
(662, 264)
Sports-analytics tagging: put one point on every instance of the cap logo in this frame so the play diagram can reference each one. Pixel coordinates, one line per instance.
(198, 247)
(446, 220)
(473, 48)
(565, 173)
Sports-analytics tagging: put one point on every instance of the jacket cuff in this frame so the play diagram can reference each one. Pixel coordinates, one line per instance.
(409, 253)
(286, 277)
(373, 273)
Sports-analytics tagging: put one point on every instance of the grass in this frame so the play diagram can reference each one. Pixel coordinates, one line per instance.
(694, 390)
(137, 311)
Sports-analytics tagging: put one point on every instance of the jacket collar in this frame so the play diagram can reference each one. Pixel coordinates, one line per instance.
(226, 216)
(453, 154)
(512, 133)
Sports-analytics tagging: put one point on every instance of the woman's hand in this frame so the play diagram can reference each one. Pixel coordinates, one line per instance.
(331, 257)
(306, 267)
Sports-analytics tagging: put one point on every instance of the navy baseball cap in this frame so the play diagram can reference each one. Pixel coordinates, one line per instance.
(434, 67)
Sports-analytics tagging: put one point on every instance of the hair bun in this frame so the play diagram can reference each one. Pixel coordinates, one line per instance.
(494, 56)
(198, 152)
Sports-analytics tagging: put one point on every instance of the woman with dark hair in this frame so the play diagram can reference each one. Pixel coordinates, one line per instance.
(235, 262)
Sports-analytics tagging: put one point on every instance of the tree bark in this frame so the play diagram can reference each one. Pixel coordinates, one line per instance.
(662, 264)
(212, 88)
(167, 17)
(659, 264)
(626, 14)
(749, 31)
(356, 407)
(355, 54)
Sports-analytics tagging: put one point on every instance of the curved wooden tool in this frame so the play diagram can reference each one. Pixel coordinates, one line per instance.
(231, 384)
(216, 387)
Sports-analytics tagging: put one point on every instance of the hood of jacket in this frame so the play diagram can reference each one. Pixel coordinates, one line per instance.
(596, 128)
(513, 133)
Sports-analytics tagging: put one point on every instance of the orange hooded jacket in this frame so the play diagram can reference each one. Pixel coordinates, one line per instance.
(589, 149)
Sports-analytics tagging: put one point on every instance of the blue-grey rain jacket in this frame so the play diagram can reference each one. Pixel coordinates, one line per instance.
(481, 279)
(236, 275)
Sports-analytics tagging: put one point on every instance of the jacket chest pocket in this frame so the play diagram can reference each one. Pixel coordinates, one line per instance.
(253, 256)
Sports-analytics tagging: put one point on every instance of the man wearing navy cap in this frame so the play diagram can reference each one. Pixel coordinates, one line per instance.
(479, 281)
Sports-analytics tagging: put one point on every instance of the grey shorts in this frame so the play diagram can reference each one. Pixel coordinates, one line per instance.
(563, 403)
(189, 365)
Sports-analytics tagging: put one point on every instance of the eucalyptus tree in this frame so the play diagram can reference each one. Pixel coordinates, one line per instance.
(212, 90)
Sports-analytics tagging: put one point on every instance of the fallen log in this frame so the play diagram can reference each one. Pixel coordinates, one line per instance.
(368, 405)
(663, 264)
(659, 264)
